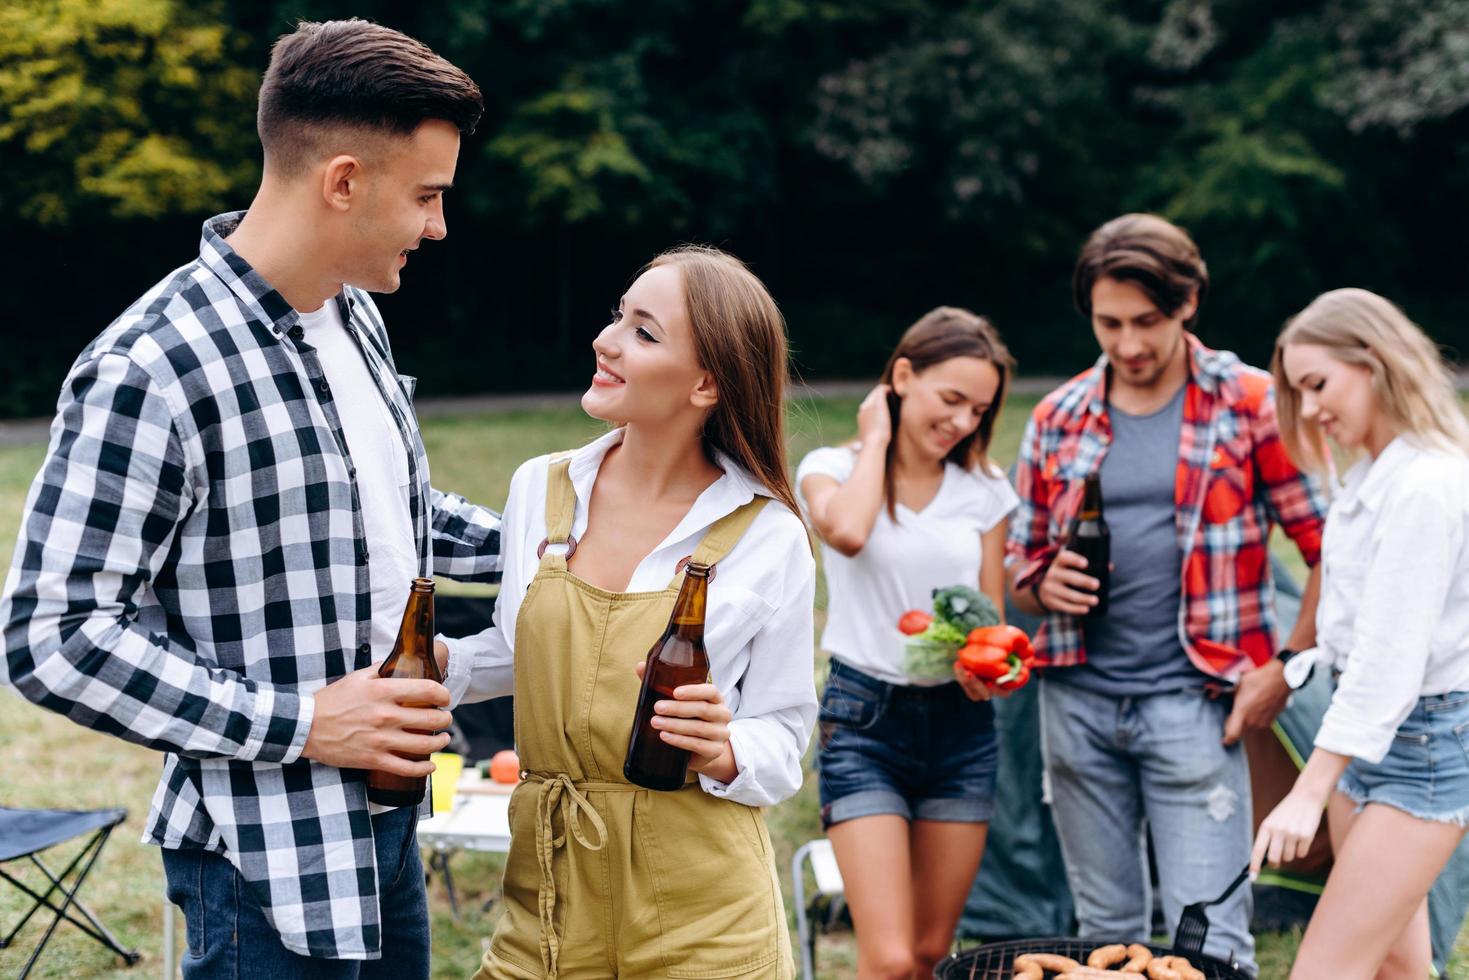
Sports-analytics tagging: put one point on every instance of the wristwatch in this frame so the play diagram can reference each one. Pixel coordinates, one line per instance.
(1299, 673)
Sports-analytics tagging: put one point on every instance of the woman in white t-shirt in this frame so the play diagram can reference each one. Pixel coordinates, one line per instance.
(907, 767)
(1391, 760)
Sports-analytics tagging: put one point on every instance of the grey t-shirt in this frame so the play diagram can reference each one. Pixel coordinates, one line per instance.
(1135, 649)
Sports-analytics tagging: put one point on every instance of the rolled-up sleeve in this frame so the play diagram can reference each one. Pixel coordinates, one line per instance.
(777, 710)
(1029, 548)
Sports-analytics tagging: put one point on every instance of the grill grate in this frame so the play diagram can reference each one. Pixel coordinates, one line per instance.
(995, 961)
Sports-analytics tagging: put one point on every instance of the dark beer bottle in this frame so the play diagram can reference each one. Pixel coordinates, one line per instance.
(1091, 539)
(412, 658)
(678, 658)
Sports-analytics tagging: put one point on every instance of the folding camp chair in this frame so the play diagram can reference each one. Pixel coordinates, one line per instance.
(25, 833)
(825, 907)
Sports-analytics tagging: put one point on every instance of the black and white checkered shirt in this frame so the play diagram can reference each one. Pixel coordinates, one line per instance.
(192, 566)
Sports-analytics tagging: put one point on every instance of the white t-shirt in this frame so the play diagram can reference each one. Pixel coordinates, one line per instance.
(381, 461)
(901, 564)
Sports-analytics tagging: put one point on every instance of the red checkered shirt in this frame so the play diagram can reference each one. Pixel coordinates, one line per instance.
(1233, 482)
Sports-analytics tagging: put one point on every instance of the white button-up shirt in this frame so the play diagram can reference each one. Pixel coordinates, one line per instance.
(759, 620)
(1394, 611)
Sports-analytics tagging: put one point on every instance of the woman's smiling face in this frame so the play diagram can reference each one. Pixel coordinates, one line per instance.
(1336, 396)
(943, 403)
(647, 369)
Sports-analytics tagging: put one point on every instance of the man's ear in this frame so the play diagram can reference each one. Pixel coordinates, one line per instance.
(1190, 306)
(902, 376)
(705, 393)
(341, 181)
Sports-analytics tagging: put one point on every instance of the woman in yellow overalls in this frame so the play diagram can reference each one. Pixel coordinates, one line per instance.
(604, 878)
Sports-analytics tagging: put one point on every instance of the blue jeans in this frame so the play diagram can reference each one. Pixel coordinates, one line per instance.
(922, 753)
(1116, 763)
(1425, 773)
(229, 936)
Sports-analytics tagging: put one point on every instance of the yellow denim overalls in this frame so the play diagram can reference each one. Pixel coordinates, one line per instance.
(604, 878)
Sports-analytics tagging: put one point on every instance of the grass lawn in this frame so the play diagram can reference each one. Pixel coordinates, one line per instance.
(47, 761)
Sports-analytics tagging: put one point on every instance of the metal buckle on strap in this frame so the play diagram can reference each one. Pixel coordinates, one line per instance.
(570, 547)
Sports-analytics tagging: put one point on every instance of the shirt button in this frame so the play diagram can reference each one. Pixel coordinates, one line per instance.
(365, 650)
(297, 333)
(324, 387)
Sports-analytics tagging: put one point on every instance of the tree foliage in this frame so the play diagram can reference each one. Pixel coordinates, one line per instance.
(120, 109)
(870, 158)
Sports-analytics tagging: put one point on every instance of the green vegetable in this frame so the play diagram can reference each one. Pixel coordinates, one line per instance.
(939, 631)
(965, 608)
(927, 660)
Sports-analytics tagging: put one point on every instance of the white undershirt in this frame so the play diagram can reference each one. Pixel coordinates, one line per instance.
(382, 471)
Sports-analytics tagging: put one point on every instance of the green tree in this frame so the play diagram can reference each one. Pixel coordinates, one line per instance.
(121, 109)
(1403, 62)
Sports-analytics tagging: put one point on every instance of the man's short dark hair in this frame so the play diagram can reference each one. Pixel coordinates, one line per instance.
(355, 74)
(1150, 252)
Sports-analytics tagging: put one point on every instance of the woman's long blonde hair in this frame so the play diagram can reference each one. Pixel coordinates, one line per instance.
(1410, 377)
(739, 338)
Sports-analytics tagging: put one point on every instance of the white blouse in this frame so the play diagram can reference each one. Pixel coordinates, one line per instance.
(758, 632)
(1394, 612)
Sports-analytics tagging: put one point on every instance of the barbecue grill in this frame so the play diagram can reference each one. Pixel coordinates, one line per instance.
(995, 961)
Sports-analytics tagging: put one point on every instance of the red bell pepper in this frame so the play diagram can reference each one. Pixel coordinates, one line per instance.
(1011, 639)
(1017, 678)
(988, 663)
(999, 655)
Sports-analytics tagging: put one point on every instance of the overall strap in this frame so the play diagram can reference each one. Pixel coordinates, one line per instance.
(560, 508)
(724, 534)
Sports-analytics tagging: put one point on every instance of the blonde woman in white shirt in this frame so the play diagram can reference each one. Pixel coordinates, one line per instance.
(907, 766)
(603, 877)
(1391, 762)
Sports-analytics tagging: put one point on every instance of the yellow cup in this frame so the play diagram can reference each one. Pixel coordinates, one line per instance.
(446, 779)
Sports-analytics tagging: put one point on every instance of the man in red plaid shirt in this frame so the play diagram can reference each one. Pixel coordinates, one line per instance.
(1142, 709)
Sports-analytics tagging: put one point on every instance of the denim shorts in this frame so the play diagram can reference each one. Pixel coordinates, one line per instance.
(923, 753)
(1426, 772)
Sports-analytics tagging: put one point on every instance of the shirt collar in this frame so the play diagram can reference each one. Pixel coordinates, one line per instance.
(248, 285)
(735, 488)
(242, 279)
(1366, 484)
(1205, 370)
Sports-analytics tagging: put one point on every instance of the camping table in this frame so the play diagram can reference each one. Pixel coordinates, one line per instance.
(478, 821)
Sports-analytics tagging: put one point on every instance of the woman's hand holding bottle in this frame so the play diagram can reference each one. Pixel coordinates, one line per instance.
(697, 719)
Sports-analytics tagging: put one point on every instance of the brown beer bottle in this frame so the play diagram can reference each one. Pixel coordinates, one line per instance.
(678, 658)
(412, 658)
(1091, 539)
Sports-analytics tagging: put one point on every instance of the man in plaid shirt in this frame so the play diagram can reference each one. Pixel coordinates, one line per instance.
(220, 542)
(1143, 708)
